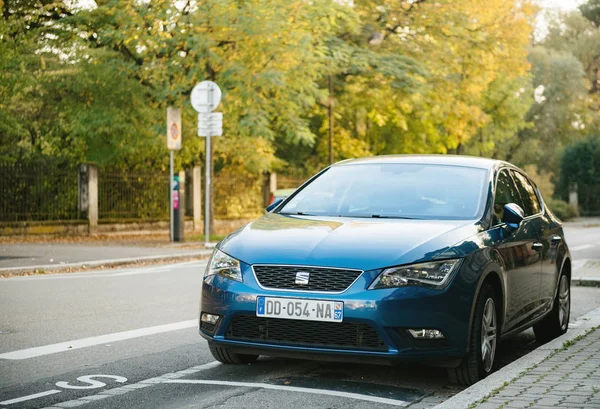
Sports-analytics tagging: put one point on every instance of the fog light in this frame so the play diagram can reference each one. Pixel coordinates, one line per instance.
(209, 322)
(426, 333)
(209, 318)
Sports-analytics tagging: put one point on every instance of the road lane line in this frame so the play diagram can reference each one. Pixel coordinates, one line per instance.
(98, 340)
(582, 247)
(159, 269)
(350, 395)
(121, 390)
(29, 397)
(174, 378)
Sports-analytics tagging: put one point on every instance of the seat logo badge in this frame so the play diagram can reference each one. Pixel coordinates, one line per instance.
(302, 277)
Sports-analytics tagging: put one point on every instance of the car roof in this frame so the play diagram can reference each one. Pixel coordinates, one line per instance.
(448, 160)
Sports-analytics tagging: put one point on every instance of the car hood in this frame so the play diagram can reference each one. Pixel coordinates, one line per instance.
(360, 243)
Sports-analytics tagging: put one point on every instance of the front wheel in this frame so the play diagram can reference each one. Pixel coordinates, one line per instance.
(224, 355)
(557, 321)
(484, 337)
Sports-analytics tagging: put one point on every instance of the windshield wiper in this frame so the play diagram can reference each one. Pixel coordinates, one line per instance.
(379, 216)
(297, 214)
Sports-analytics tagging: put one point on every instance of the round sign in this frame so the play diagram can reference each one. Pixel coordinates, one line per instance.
(206, 96)
(174, 131)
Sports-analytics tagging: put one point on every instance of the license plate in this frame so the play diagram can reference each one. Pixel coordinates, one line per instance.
(300, 309)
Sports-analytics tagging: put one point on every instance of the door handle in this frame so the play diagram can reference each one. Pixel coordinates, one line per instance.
(556, 239)
(537, 246)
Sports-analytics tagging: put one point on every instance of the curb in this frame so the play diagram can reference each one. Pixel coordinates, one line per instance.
(586, 273)
(475, 393)
(19, 271)
(586, 281)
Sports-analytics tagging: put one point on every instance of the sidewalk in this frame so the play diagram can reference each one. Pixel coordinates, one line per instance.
(568, 379)
(586, 273)
(584, 222)
(19, 258)
(564, 373)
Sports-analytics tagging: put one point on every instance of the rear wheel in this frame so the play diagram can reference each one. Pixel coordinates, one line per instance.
(224, 355)
(557, 321)
(484, 337)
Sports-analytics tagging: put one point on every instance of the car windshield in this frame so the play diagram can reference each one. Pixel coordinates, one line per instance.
(393, 190)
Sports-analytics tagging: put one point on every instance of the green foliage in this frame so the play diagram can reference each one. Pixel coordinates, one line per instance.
(580, 166)
(407, 76)
(557, 111)
(562, 209)
(591, 11)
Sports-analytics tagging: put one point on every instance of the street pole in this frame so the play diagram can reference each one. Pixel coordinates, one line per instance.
(205, 97)
(331, 159)
(208, 167)
(173, 143)
(171, 225)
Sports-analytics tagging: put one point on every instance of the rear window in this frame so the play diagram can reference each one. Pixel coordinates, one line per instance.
(413, 191)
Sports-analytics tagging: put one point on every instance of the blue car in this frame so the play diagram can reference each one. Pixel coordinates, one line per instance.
(425, 258)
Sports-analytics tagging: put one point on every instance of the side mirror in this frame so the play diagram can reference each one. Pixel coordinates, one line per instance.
(275, 203)
(513, 216)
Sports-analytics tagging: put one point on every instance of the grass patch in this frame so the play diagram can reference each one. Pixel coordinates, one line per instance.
(199, 238)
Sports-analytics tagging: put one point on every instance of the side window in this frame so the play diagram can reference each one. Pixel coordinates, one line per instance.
(527, 191)
(506, 192)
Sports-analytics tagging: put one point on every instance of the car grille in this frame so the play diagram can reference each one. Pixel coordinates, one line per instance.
(341, 335)
(321, 279)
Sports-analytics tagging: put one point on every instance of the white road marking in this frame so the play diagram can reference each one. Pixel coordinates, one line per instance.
(134, 386)
(93, 384)
(98, 340)
(350, 395)
(174, 378)
(29, 397)
(582, 247)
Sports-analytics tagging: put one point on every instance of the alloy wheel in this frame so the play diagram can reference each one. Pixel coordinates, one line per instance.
(488, 335)
(564, 302)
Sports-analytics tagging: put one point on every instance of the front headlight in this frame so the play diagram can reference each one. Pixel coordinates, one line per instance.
(223, 265)
(433, 274)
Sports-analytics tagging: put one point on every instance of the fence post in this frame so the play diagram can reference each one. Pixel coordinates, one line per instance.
(93, 198)
(88, 195)
(573, 196)
(197, 197)
(269, 186)
(82, 191)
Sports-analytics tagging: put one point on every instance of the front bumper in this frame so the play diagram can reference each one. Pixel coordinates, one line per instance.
(389, 312)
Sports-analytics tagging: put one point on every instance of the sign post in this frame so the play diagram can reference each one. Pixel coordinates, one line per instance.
(205, 97)
(173, 143)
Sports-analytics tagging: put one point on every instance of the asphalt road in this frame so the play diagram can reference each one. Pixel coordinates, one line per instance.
(128, 339)
(584, 242)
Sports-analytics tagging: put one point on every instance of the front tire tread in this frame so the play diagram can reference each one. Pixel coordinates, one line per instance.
(225, 356)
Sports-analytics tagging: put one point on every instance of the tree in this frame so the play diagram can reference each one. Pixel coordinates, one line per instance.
(557, 112)
(591, 11)
(580, 167)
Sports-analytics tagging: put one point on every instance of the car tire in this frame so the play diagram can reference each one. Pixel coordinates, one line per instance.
(224, 355)
(556, 322)
(479, 361)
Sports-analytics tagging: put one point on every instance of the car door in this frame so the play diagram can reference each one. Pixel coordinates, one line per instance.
(522, 261)
(550, 238)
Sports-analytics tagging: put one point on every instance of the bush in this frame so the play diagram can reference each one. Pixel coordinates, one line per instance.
(580, 166)
(562, 209)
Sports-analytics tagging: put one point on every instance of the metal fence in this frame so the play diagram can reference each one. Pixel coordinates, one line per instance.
(47, 190)
(237, 196)
(122, 195)
(36, 191)
(289, 182)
